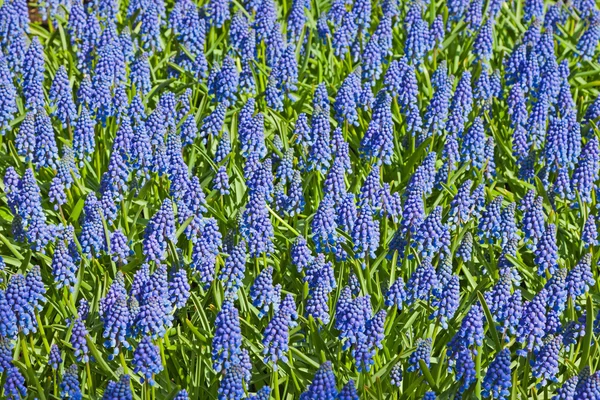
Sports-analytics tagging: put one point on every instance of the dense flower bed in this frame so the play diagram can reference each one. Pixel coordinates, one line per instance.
(302, 200)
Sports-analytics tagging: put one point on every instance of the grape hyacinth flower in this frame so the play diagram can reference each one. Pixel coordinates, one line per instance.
(159, 230)
(580, 278)
(70, 385)
(79, 341)
(532, 325)
(146, 360)
(262, 291)
(546, 253)
(61, 97)
(179, 288)
(323, 385)
(422, 352)
(396, 375)
(497, 380)
(589, 235)
(545, 365)
(465, 249)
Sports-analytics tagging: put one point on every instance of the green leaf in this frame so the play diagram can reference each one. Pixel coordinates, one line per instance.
(491, 323)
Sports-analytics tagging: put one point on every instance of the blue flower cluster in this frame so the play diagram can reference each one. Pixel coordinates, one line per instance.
(266, 199)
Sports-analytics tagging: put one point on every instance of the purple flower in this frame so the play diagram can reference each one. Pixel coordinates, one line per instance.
(497, 380)
(323, 385)
(421, 282)
(545, 365)
(433, 237)
(70, 387)
(256, 227)
(179, 288)
(79, 341)
(580, 277)
(546, 253)
(482, 47)
(61, 97)
(262, 292)
(421, 352)
(532, 325)
(146, 360)
(160, 229)
(226, 345)
(588, 41)
(365, 233)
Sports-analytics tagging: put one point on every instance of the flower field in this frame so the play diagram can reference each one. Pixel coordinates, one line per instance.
(315, 200)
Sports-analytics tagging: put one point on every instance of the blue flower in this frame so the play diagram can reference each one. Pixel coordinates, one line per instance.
(567, 390)
(351, 317)
(433, 237)
(422, 282)
(262, 292)
(586, 46)
(179, 288)
(498, 380)
(323, 385)
(256, 226)
(54, 358)
(417, 42)
(344, 35)
(64, 268)
(14, 387)
(84, 141)
(365, 233)
(586, 172)
(120, 390)
(276, 336)
(227, 340)
(70, 387)
(532, 325)
(146, 360)
(116, 326)
(61, 97)
(546, 253)
(396, 375)
(491, 222)
(580, 277)
(206, 249)
(140, 74)
(473, 147)
(446, 301)
(396, 294)
(33, 76)
(482, 47)
(464, 368)
(324, 225)
(160, 229)
(345, 101)
(470, 332)
(45, 151)
(221, 181)
(79, 341)
(378, 139)
(421, 352)
(545, 365)
(461, 104)
(319, 157)
(225, 84)
(300, 253)
(437, 109)
(508, 226)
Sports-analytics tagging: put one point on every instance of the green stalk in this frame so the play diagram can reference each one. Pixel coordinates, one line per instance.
(30, 371)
